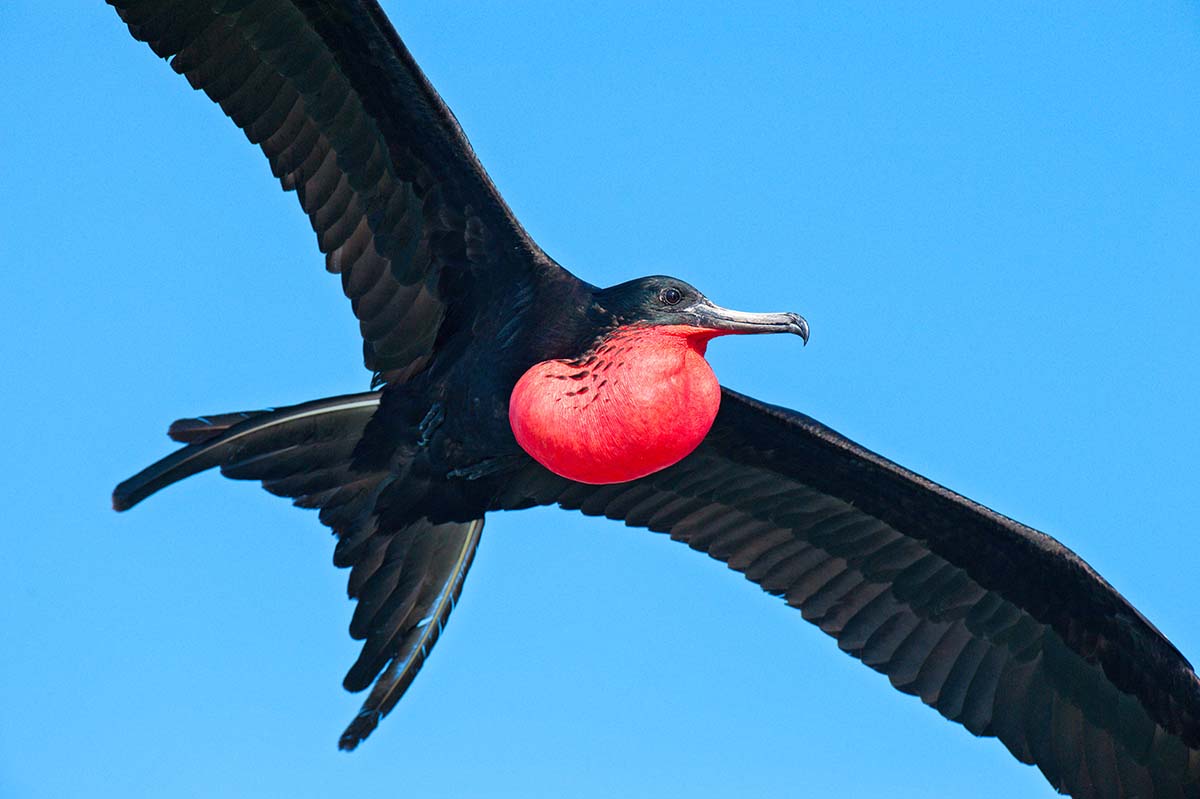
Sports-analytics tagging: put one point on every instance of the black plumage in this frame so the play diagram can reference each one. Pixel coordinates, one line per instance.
(997, 626)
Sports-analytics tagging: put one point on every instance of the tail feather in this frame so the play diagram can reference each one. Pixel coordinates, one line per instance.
(412, 646)
(407, 574)
(206, 428)
(231, 438)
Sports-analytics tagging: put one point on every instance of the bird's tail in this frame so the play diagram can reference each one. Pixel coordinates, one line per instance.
(321, 432)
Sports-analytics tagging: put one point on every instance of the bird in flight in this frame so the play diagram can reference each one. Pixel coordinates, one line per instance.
(503, 382)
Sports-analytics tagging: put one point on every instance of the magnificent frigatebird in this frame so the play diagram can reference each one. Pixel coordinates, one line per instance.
(968, 596)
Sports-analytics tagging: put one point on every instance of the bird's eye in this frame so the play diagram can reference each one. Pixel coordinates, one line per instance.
(670, 296)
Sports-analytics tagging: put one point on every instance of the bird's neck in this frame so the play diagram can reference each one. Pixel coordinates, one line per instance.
(638, 402)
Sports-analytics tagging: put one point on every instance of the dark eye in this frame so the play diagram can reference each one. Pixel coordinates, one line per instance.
(670, 296)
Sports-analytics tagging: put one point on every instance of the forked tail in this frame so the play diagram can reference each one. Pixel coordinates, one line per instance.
(405, 576)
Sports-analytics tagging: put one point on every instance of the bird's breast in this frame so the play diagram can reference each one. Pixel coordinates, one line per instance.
(640, 402)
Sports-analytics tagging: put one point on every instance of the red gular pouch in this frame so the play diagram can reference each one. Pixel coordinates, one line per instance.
(641, 401)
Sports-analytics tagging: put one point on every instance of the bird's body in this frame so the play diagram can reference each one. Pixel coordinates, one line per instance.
(999, 627)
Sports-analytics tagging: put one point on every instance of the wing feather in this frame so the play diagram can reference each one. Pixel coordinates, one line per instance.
(398, 201)
(997, 626)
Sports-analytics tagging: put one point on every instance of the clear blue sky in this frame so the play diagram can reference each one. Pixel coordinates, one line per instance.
(990, 215)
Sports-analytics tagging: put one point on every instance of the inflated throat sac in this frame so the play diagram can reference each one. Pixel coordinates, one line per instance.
(641, 401)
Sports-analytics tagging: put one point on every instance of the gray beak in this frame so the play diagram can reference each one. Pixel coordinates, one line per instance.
(717, 318)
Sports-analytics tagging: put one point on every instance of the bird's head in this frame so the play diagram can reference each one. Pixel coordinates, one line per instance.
(662, 301)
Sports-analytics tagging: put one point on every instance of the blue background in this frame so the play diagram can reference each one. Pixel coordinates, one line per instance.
(989, 213)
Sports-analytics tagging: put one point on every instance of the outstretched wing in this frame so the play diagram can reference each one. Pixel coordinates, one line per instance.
(401, 207)
(406, 578)
(999, 627)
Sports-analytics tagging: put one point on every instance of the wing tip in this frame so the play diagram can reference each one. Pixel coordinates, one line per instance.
(123, 499)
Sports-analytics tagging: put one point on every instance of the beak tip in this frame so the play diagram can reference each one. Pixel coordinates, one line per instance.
(801, 328)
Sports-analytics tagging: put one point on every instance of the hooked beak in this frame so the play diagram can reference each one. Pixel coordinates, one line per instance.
(715, 317)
